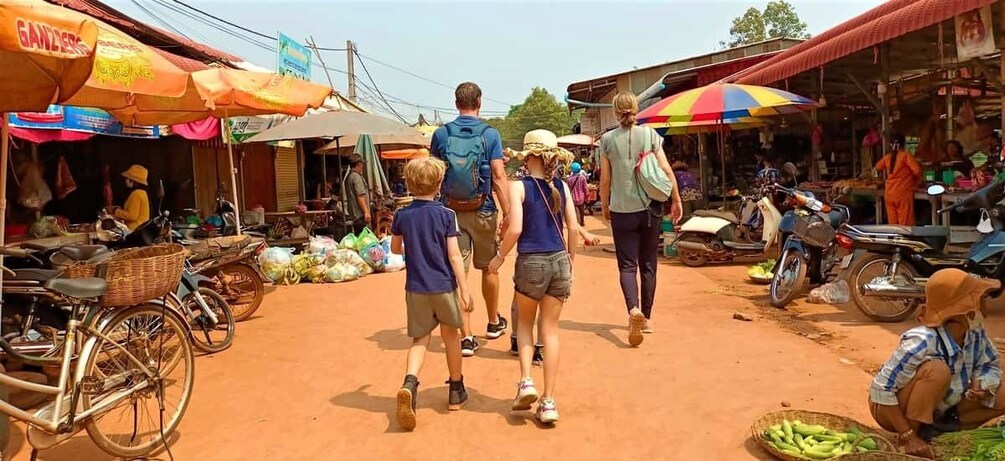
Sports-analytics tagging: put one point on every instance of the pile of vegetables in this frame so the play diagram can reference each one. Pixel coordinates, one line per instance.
(326, 261)
(800, 440)
(983, 444)
(762, 270)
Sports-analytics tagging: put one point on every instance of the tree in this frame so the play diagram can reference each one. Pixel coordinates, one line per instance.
(778, 20)
(539, 111)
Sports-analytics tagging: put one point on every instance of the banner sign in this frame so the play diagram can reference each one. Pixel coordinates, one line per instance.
(242, 128)
(293, 58)
(82, 119)
(974, 37)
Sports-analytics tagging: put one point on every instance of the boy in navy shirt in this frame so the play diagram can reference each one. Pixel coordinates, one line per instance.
(435, 291)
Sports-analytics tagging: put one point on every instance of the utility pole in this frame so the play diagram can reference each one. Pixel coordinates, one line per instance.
(350, 52)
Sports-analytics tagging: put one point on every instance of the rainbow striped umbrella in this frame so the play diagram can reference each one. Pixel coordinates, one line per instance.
(722, 103)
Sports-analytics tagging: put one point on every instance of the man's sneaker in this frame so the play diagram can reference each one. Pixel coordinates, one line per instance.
(469, 346)
(408, 396)
(526, 395)
(636, 321)
(547, 412)
(495, 330)
(458, 395)
(539, 356)
(514, 349)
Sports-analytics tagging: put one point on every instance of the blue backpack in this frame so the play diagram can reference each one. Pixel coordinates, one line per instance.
(466, 155)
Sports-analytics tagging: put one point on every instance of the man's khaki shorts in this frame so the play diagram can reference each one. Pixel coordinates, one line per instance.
(479, 239)
(427, 311)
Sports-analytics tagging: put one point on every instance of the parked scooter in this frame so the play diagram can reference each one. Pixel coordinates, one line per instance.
(888, 282)
(723, 237)
(230, 268)
(809, 249)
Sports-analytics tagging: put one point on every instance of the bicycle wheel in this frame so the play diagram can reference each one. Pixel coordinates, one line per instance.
(243, 289)
(134, 425)
(206, 337)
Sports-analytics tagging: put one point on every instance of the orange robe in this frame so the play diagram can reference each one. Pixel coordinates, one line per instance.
(900, 185)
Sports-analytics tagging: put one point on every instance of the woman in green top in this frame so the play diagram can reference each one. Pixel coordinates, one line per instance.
(635, 220)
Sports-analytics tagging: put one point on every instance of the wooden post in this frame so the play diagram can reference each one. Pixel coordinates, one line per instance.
(701, 167)
(884, 97)
(950, 105)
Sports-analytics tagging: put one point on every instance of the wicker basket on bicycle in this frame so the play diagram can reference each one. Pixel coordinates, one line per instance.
(814, 230)
(135, 275)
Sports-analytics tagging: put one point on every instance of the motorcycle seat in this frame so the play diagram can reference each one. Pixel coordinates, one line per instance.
(78, 288)
(83, 252)
(718, 214)
(34, 275)
(907, 231)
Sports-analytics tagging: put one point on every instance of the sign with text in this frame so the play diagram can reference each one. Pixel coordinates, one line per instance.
(82, 119)
(974, 37)
(293, 58)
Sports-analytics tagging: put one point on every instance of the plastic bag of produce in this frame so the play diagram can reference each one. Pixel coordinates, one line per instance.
(318, 274)
(365, 239)
(342, 273)
(288, 276)
(302, 262)
(832, 293)
(322, 246)
(33, 193)
(274, 261)
(348, 242)
(373, 255)
(394, 263)
(385, 244)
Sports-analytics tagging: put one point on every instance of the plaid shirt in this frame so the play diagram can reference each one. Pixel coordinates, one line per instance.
(977, 358)
(768, 176)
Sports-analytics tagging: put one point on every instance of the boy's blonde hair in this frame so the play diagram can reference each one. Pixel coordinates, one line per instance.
(423, 176)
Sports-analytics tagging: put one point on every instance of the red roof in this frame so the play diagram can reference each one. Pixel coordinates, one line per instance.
(153, 36)
(183, 63)
(885, 22)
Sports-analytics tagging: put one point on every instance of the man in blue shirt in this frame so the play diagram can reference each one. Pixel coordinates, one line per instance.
(479, 228)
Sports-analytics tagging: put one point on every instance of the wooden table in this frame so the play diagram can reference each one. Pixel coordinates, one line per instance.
(77, 238)
(309, 220)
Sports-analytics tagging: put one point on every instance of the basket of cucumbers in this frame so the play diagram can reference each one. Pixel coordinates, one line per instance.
(797, 435)
(761, 273)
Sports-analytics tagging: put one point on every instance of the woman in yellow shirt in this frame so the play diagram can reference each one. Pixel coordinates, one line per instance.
(136, 210)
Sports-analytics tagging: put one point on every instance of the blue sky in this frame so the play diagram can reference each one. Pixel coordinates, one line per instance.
(506, 47)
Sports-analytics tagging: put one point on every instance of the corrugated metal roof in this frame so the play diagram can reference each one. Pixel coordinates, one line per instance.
(885, 22)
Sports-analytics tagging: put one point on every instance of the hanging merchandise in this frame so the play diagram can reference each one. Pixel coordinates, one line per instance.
(64, 180)
(33, 192)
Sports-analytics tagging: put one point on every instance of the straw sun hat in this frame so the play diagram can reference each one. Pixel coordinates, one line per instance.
(952, 292)
(544, 144)
(137, 174)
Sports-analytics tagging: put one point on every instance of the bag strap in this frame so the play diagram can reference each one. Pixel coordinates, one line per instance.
(554, 218)
(638, 176)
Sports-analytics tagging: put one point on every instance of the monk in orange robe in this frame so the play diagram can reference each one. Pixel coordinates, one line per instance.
(903, 174)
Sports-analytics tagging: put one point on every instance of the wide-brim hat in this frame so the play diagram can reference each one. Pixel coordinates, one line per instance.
(136, 174)
(952, 292)
(544, 144)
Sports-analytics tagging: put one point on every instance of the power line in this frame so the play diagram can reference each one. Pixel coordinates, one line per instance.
(158, 19)
(370, 77)
(245, 38)
(426, 79)
(223, 20)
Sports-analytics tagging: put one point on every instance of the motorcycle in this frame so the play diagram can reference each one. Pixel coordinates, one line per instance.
(229, 267)
(888, 281)
(810, 249)
(722, 236)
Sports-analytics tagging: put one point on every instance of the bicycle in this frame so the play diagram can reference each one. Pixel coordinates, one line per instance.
(126, 359)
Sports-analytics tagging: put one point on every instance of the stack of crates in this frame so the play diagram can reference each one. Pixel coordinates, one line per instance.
(669, 251)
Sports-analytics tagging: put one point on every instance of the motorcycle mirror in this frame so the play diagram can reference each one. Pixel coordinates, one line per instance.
(936, 190)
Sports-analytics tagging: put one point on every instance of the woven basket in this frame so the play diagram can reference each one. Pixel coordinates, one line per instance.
(833, 422)
(994, 422)
(136, 275)
(880, 456)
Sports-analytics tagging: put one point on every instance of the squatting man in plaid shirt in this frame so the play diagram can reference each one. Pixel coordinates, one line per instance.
(946, 375)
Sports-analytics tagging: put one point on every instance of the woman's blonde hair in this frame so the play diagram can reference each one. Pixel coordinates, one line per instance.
(626, 105)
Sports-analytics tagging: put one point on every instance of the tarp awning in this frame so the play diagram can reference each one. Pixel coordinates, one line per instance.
(885, 22)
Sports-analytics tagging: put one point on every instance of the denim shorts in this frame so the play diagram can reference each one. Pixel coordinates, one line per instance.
(543, 274)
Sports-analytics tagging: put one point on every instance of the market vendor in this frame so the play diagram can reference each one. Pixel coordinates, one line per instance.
(945, 375)
(903, 174)
(136, 210)
(955, 158)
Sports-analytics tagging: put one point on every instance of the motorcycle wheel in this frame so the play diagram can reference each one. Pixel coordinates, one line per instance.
(877, 308)
(205, 338)
(691, 258)
(789, 278)
(243, 289)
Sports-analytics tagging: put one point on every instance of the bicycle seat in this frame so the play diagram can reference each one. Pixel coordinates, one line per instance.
(78, 288)
(907, 231)
(34, 275)
(718, 214)
(82, 252)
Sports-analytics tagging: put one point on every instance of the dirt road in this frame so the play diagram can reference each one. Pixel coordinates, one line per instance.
(314, 377)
